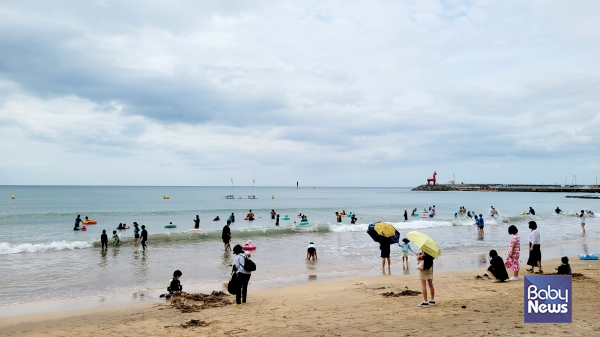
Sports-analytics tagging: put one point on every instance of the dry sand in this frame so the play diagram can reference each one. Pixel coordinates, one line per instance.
(341, 307)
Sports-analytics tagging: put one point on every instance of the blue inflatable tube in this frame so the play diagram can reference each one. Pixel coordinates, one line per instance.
(285, 218)
(304, 223)
(588, 256)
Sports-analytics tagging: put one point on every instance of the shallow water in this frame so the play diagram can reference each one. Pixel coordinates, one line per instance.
(52, 261)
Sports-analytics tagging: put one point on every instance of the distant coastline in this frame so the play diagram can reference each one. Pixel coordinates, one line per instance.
(508, 188)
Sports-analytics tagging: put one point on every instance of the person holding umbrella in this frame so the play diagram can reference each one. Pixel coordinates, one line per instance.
(430, 250)
(385, 234)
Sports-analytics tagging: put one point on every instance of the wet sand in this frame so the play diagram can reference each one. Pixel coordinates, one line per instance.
(352, 306)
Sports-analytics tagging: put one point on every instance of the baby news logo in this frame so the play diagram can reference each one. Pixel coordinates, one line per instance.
(548, 299)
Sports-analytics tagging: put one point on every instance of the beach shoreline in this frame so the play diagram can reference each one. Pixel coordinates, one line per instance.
(343, 306)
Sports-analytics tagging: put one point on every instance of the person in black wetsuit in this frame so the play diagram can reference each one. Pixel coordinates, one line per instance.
(405, 215)
(531, 211)
(104, 239)
(277, 220)
(273, 213)
(77, 222)
(232, 218)
(144, 237)
(353, 219)
(226, 236)
(197, 222)
(496, 268)
(175, 286)
(558, 210)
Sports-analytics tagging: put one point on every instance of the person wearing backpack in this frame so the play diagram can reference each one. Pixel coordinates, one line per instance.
(243, 274)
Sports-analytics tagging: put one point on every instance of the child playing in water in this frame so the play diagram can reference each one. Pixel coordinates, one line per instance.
(115, 238)
(174, 286)
(311, 251)
(104, 239)
(405, 246)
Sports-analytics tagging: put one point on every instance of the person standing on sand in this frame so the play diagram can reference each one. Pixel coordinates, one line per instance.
(405, 215)
(144, 237)
(535, 254)
(243, 275)
(226, 236)
(426, 277)
(514, 253)
(385, 254)
(582, 220)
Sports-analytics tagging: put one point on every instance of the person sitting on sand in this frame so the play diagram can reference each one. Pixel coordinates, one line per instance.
(115, 238)
(311, 251)
(565, 267)
(496, 268)
(174, 286)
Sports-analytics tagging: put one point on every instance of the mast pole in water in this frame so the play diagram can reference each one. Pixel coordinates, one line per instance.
(231, 186)
(296, 185)
(253, 187)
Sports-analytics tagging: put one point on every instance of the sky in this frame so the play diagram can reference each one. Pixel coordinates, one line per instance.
(327, 93)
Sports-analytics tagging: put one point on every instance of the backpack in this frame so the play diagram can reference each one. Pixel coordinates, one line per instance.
(249, 265)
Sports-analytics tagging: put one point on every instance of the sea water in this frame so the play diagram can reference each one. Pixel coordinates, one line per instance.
(42, 258)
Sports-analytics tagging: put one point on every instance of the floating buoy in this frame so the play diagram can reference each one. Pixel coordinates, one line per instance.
(13, 196)
(166, 197)
(83, 228)
(272, 196)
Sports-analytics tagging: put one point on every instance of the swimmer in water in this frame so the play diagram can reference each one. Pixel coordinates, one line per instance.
(197, 222)
(115, 238)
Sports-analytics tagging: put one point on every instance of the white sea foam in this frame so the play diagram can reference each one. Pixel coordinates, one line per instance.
(7, 248)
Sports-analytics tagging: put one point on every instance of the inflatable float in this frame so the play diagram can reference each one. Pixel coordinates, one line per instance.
(250, 247)
(170, 225)
(195, 230)
(285, 218)
(126, 227)
(416, 214)
(304, 223)
(90, 222)
(588, 256)
(424, 216)
(349, 215)
(83, 228)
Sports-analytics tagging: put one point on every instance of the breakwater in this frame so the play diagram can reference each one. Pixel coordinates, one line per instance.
(508, 188)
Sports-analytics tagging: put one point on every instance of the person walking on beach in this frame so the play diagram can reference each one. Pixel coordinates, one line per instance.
(405, 215)
(243, 275)
(144, 237)
(426, 276)
(77, 222)
(136, 232)
(104, 239)
(197, 222)
(582, 220)
(385, 255)
(535, 254)
(514, 253)
(226, 236)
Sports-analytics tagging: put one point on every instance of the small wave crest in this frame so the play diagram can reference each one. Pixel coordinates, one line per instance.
(7, 248)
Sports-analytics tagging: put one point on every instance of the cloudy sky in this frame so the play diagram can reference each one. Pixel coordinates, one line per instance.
(329, 93)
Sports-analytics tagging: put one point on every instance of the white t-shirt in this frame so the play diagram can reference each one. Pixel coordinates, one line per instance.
(491, 211)
(534, 237)
(582, 219)
(312, 245)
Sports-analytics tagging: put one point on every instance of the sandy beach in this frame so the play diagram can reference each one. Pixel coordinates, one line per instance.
(341, 307)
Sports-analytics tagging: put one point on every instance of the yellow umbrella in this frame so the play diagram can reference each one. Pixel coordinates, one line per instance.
(385, 229)
(425, 243)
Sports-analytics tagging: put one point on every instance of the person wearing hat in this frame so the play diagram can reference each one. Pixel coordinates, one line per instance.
(311, 251)
(405, 246)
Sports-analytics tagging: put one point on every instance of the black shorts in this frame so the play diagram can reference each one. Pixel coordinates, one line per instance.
(311, 250)
(137, 236)
(226, 241)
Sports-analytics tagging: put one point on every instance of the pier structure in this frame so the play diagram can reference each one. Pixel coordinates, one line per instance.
(509, 188)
